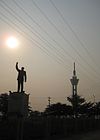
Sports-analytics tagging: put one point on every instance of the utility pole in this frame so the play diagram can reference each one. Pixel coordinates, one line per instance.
(74, 81)
(49, 101)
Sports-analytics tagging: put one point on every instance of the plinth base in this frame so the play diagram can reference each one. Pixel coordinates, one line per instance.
(18, 104)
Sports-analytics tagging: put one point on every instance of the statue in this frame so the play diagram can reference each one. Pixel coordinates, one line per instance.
(21, 78)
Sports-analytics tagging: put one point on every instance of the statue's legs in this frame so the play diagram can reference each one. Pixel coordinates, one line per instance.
(21, 86)
(18, 86)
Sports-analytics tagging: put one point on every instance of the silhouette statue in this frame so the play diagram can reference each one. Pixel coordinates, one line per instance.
(21, 77)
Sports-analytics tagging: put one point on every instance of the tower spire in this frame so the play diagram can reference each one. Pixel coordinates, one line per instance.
(74, 71)
(74, 81)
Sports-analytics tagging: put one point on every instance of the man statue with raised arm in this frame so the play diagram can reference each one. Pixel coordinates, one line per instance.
(21, 78)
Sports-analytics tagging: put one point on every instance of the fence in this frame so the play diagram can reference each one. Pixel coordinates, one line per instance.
(62, 127)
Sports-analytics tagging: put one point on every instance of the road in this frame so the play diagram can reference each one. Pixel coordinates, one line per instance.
(87, 136)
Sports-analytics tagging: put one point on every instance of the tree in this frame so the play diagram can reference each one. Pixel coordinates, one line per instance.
(96, 110)
(4, 104)
(58, 110)
(83, 108)
(34, 115)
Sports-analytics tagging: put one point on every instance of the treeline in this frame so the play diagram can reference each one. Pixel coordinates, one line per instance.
(77, 107)
(57, 120)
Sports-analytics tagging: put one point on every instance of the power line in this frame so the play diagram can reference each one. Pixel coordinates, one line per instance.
(20, 32)
(25, 26)
(59, 32)
(31, 30)
(74, 33)
(44, 31)
(23, 33)
(42, 28)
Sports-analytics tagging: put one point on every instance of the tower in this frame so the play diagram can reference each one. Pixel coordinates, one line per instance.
(74, 81)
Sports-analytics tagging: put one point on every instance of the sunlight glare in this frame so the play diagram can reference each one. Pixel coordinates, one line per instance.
(12, 42)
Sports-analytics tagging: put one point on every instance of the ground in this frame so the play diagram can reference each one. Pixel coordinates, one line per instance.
(87, 136)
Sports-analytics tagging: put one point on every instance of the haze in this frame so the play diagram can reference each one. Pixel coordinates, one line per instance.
(53, 34)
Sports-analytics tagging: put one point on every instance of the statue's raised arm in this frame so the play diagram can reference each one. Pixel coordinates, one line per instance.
(17, 67)
(25, 76)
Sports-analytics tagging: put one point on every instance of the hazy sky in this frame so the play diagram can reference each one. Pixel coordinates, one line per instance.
(52, 35)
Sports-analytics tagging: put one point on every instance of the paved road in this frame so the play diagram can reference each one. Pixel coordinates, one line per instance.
(94, 135)
(87, 136)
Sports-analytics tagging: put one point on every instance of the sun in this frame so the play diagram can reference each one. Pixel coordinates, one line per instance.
(12, 42)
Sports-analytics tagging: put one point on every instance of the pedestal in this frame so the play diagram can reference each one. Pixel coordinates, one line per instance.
(18, 104)
(17, 112)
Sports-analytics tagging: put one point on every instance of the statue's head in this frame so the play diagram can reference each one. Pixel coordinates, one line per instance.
(22, 68)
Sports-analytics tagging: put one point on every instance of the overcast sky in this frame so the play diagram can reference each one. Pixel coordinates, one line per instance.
(52, 35)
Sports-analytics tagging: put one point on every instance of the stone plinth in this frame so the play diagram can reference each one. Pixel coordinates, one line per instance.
(18, 104)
